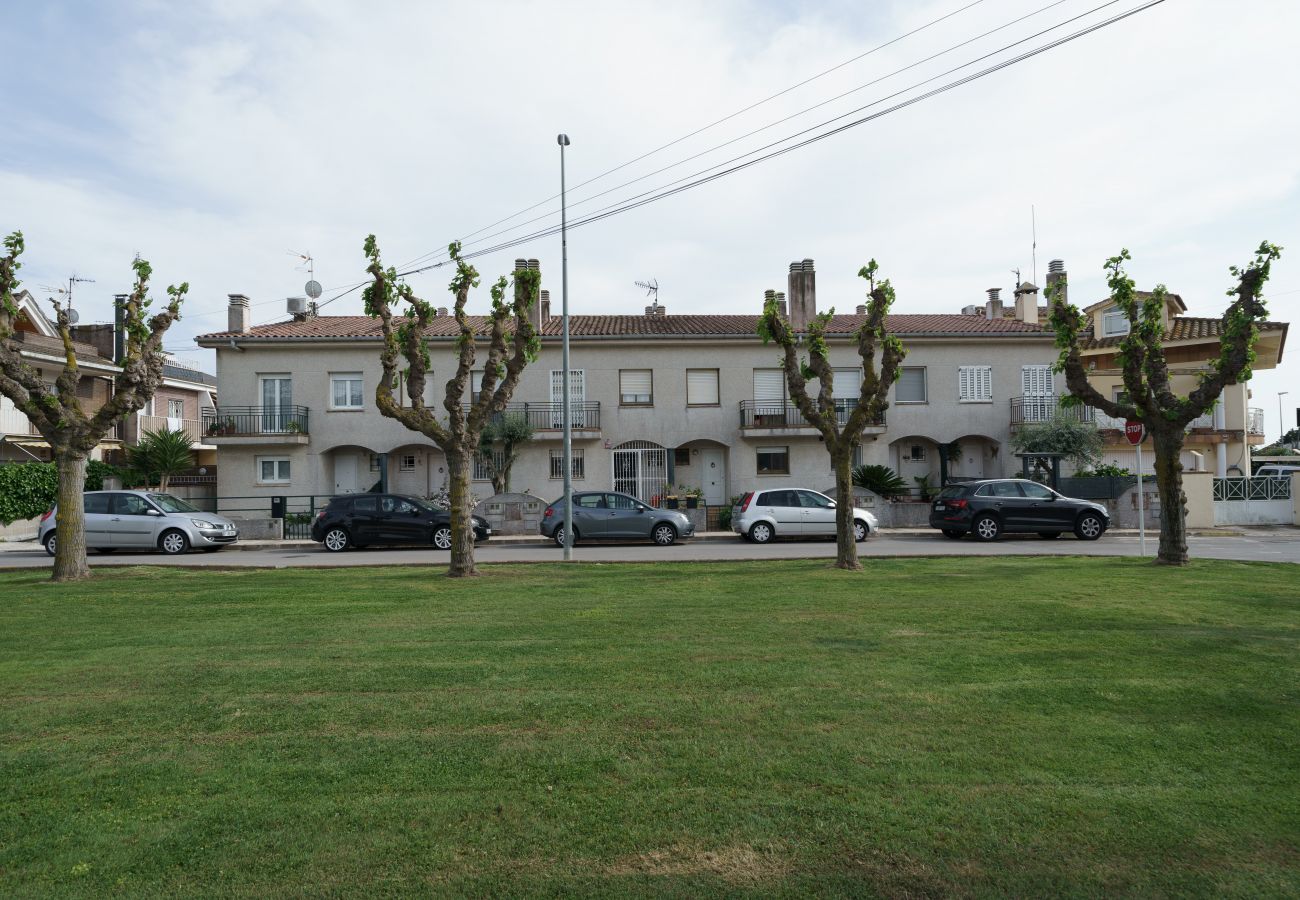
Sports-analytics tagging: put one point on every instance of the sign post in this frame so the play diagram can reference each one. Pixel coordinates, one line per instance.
(1135, 433)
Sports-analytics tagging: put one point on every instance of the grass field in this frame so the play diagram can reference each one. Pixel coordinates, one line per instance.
(937, 726)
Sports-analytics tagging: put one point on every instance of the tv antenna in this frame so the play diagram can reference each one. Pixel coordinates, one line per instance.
(312, 288)
(73, 280)
(651, 288)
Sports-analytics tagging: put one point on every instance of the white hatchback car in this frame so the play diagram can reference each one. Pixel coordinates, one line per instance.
(761, 516)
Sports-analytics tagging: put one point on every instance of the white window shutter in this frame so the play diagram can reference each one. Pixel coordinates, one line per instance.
(702, 386)
(769, 384)
(911, 385)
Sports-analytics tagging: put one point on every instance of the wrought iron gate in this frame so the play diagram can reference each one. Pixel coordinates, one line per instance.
(641, 469)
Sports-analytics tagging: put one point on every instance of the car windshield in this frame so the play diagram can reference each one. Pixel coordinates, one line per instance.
(168, 503)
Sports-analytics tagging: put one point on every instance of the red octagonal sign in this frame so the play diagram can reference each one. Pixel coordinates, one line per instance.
(1134, 431)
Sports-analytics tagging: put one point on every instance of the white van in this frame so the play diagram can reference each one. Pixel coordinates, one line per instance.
(1276, 470)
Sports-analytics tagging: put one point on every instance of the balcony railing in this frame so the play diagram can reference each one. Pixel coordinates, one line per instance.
(250, 421)
(192, 427)
(583, 414)
(784, 414)
(1032, 410)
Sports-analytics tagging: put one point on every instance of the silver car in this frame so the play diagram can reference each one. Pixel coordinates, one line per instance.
(761, 516)
(144, 520)
(610, 515)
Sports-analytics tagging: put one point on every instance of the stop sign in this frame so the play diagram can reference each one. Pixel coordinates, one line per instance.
(1134, 431)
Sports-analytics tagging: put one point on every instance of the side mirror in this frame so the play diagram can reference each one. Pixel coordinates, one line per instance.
(831, 505)
(152, 512)
(640, 508)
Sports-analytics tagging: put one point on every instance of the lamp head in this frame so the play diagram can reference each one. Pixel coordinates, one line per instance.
(562, 140)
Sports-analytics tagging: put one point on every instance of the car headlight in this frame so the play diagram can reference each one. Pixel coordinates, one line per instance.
(199, 523)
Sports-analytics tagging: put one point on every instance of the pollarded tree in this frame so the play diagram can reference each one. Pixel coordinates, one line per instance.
(58, 414)
(500, 444)
(1150, 398)
(512, 344)
(840, 432)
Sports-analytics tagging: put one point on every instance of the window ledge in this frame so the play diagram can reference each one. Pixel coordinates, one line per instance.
(990, 400)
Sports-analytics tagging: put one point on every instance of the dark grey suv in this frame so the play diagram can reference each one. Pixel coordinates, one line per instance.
(989, 509)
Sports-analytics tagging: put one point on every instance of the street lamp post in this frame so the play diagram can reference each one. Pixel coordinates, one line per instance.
(563, 141)
(1281, 420)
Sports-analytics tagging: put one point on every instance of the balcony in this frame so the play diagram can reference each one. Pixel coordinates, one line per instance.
(770, 418)
(247, 425)
(1255, 422)
(1034, 410)
(193, 428)
(547, 419)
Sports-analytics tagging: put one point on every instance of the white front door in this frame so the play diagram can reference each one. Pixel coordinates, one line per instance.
(345, 473)
(714, 476)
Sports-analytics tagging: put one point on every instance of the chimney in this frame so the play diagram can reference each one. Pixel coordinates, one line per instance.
(535, 310)
(994, 306)
(545, 300)
(809, 291)
(862, 309)
(238, 314)
(442, 311)
(1027, 303)
(803, 294)
(1056, 282)
(781, 305)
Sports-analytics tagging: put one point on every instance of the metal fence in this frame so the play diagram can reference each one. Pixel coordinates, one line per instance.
(550, 416)
(234, 421)
(1252, 488)
(785, 414)
(296, 511)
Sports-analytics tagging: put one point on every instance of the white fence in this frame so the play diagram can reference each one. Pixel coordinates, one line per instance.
(1253, 501)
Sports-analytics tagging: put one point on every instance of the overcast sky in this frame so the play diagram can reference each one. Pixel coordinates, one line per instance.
(215, 138)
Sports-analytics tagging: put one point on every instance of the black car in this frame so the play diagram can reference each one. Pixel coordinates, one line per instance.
(358, 520)
(989, 509)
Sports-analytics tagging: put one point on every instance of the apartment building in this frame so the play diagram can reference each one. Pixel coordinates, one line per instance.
(689, 400)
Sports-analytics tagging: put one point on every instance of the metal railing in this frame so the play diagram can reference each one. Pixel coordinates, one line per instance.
(242, 421)
(784, 414)
(1032, 410)
(298, 511)
(1252, 488)
(192, 427)
(550, 416)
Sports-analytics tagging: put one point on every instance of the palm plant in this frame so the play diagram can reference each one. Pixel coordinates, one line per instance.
(880, 480)
(162, 454)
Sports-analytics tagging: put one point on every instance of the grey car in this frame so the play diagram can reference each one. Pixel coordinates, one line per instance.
(144, 520)
(609, 515)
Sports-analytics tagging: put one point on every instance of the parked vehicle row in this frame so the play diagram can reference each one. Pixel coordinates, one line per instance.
(143, 520)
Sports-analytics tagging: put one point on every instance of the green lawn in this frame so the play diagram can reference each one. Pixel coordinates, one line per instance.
(970, 726)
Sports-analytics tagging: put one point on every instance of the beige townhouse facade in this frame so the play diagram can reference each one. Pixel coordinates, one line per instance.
(688, 400)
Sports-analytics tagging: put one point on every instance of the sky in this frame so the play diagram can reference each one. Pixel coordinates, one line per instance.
(219, 140)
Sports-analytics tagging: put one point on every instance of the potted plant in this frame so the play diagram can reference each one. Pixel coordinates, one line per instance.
(693, 495)
(670, 497)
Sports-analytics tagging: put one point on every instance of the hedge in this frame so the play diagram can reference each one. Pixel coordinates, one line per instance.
(29, 489)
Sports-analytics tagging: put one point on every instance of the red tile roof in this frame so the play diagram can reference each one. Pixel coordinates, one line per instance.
(1183, 328)
(327, 328)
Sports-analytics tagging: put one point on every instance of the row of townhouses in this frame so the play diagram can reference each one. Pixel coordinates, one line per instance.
(690, 400)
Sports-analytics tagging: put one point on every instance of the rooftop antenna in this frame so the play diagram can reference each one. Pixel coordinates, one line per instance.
(1017, 274)
(1033, 225)
(651, 289)
(73, 280)
(312, 288)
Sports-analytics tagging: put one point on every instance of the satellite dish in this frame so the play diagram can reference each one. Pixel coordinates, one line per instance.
(312, 289)
(73, 317)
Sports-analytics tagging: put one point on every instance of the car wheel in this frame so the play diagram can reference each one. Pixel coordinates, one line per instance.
(1049, 535)
(336, 540)
(761, 532)
(442, 537)
(987, 528)
(51, 542)
(173, 542)
(664, 534)
(860, 530)
(558, 536)
(955, 533)
(1089, 527)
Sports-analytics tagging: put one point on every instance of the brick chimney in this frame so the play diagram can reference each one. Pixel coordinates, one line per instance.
(1027, 303)
(993, 309)
(1056, 279)
(238, 315)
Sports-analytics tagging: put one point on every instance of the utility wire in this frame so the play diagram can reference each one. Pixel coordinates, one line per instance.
(713, 124)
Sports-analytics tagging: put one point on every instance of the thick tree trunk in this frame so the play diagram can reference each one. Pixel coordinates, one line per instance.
(462, 523)
(846, 546)
(70, 526)
(1173, 503)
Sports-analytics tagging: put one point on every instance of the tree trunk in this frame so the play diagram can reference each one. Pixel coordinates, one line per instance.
(1173, 503)
(70, 526)
(462, 522)
(500, 482)
(846, 547)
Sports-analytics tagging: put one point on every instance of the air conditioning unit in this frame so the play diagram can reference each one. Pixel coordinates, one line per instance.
(297, 305)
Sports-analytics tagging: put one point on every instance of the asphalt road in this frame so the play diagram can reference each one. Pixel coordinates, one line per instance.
(1282, 545)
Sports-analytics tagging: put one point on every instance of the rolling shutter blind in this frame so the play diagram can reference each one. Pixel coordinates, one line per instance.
(848, 384)
(702, 386)
(634, 385)
(911, 386)
(769, 384)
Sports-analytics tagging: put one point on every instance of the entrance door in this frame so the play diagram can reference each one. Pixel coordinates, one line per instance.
(714, 468)
(345, 473)
(641, 469)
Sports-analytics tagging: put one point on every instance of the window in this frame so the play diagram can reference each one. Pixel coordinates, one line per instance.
(374, 462)
(1036, 491)
(407, 462)
(590, 501)
(701, 387)
(146, 410)
(810, 500)
(635, 387)
(778, 498)
(272, 470)
(916, 453)
(773, 460)
(397, 505)
(557, 464)
(365, 505)
(847, 384)
(345, 391)
(175, 409)
(482, 466)
(96, 504)
(1114, 323)
(769, 384)
(975, 384)
(681, 457)
(620, 501)
(911, 385)
(130, 505)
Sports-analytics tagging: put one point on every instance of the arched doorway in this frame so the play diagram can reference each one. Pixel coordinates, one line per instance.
(640, 469)
(702, 463)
